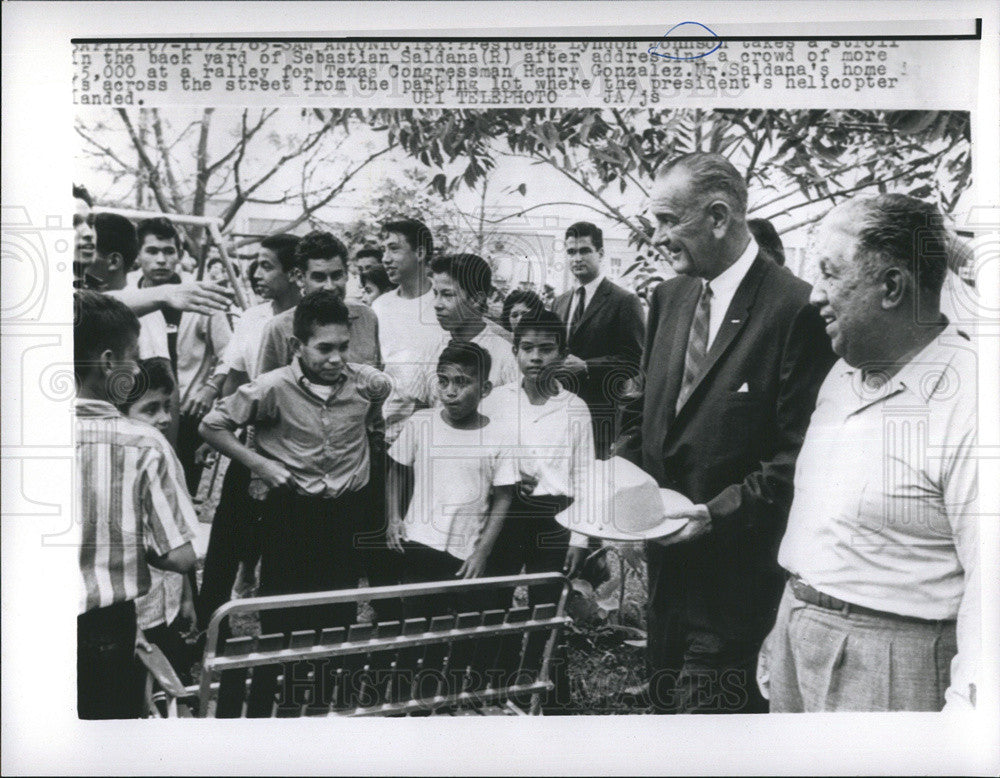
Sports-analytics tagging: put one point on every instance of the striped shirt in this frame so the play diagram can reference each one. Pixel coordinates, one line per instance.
(130, 499)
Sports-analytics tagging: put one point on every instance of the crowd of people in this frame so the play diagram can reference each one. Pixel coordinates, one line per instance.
(382, 423)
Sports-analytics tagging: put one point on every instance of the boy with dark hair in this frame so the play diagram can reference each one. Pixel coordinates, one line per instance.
(321, 263)
(163, 611)
(311, 453)
(159, 251)
(193, 341)
(553, 452)
(461, 284)
(409, 331)
(458, 458)
(126, 522)
(234, 537)
(374, 283)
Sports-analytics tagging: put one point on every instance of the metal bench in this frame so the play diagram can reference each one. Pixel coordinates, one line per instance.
(468, 663)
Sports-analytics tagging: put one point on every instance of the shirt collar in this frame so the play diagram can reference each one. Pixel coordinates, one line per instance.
(591, 287)
(912, 377)
(725, 284)
(308, 385)
(95, 409)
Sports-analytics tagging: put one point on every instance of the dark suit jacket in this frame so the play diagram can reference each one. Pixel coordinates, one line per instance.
(609, 339)
(732, 450)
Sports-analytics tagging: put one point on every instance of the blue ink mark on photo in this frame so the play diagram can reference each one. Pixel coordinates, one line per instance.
(652, 50)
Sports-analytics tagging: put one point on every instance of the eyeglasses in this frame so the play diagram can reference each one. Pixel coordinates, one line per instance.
(583, 251)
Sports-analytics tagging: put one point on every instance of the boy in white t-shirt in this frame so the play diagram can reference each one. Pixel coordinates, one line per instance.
(408, 330)
(458, 458)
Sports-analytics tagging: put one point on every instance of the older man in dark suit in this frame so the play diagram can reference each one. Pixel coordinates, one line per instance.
(605, 328)
(733, 360)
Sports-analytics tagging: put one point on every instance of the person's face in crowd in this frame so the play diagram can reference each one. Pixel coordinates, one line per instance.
(158, 259)
(323, 355)
(324, 274)
(84, 247)
(153, 408)
(366, 263)
(684, 226)
(537, 353)
(460, 391)
(584, 260)
(370, 293)
(400, 260)
(548, 298)
(270, 278)
(848, 300)
(452, 306)
(217, 273)
(517, 310)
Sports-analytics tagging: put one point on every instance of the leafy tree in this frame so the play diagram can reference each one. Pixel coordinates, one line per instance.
(796, 162)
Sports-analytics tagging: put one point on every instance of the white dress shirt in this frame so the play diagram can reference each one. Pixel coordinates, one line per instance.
(724, 288)
(590, 290)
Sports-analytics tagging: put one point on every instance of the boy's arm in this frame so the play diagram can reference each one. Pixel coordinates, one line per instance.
(194, 296)
(178, 560)
(475, 565)
(218, 428)
(398, 493)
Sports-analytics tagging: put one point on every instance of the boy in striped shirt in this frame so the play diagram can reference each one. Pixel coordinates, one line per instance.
(132, 504)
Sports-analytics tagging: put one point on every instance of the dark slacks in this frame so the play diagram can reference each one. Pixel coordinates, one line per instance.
(308, 544)
(423, 564)
(109, 678)
(381, 565)
(188, 441)
(234, 538)
(693, 668)
(532, 540)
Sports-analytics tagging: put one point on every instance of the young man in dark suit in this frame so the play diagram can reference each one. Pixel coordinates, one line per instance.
(733, 360)
(605, 329)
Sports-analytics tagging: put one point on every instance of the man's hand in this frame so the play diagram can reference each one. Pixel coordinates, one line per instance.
(699, 523)
(394, 534)
(204, 454)
(141, 644)
(200, 402)
(474, 566)
(574, 364)
(575, 557)
(526, 486)
(274, 474)
(197, 296)
(763, 670)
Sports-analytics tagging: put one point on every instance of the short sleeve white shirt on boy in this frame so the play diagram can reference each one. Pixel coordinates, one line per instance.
(454, 471)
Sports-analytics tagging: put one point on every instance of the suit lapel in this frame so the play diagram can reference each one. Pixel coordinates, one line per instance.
(562, 306)
(736, 318)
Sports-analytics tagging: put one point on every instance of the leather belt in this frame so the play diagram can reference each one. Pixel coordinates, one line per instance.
(807, 594)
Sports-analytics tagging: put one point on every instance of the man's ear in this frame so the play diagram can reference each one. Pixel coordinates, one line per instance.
(487, 387)
(894, 287)
(115, 262)
(720, 214)
(106, 362)
(294, 344)
(296, 276)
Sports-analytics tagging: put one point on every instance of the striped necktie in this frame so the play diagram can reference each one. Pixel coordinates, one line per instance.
(697, 346)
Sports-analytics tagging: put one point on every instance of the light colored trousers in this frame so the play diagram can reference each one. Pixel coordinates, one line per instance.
(822, 660)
